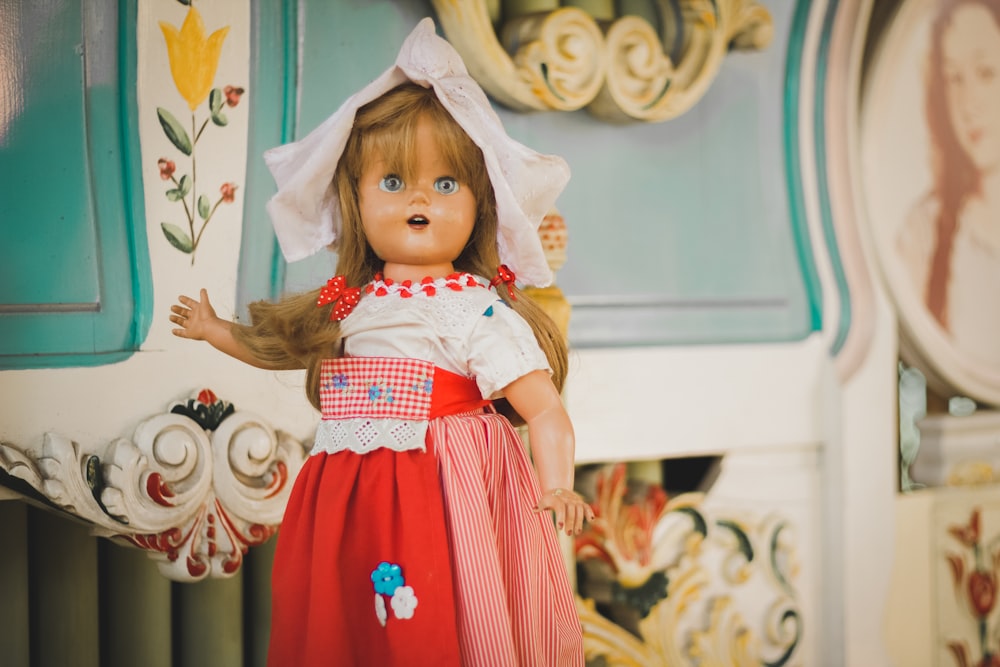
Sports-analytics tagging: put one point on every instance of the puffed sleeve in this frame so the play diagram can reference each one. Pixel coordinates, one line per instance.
(502, 348)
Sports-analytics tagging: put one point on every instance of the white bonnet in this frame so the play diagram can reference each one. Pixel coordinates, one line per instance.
(306, 209)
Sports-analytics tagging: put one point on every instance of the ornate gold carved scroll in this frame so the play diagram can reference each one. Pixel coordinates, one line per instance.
(542, 57)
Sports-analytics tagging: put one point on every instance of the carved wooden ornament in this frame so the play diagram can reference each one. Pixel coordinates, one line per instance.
(617, 67)
(195, 487)
(669, 582)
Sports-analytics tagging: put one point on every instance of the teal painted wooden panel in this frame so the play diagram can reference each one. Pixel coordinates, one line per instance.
(680, 232)
(44, 165)
(272, 99)
(75, 287)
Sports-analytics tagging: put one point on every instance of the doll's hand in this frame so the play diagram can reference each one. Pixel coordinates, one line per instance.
(569, 508)
(197, 320)
(194, 318)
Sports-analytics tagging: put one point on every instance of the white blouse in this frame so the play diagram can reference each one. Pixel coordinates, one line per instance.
(449, 322)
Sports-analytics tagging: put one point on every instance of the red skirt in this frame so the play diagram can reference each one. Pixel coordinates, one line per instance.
(469, 573)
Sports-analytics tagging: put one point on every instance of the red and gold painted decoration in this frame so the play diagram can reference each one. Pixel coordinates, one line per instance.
(195, 487)
(668, 582)
(974, 565)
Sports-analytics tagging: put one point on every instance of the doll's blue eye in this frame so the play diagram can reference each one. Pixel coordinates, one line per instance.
(390, 183)
(446, 185)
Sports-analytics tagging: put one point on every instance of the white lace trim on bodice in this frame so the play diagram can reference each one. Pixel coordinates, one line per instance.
(365, 434)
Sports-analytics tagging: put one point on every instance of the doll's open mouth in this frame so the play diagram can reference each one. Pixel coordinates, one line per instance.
(418, 221)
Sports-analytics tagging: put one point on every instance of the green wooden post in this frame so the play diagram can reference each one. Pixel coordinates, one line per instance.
(135, 601)
(62, 580)
(14, 630)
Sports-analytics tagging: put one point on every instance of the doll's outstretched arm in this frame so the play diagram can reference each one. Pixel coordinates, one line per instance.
(552, 447)
(196, 319)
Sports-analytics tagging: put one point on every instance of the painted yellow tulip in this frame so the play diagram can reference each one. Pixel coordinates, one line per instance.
(193, 57)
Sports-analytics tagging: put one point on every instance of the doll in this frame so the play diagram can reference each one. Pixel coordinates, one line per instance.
(418, 532)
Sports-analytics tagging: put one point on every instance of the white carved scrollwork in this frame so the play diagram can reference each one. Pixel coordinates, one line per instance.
(619, 68)
(196, 487)
(666, 582)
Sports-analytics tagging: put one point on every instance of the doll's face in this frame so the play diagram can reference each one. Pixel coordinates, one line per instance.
(420, 224)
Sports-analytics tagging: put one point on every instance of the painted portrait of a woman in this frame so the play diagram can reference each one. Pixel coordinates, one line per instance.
(950, 242)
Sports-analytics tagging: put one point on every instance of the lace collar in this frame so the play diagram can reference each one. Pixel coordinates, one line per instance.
(428, 286)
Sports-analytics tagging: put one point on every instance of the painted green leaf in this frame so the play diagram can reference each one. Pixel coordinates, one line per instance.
(177, 237)
(204, 207)
(184, 2)
(220, 119)
(742, 540)
(697, 519)
(174, 131)
(174, 194)
(215, 100)
(185, 185)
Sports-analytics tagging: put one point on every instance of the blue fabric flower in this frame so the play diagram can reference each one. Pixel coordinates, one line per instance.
(425, 386)
(340, 381)
(374, 392)
(387, 577)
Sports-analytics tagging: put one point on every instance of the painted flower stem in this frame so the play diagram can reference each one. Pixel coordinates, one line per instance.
(202, 230)
(200, 130)
(187, 211)
(194, 188)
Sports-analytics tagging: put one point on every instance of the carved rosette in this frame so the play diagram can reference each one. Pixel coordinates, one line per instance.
(554, 236)
(668, 582)
(195, 487)
(620, 69)
(558, 56)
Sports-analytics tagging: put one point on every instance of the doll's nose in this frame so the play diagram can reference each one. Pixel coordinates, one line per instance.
(419, 196)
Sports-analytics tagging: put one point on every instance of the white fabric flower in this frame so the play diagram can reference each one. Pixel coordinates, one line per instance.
(380, 609)
(404, 602)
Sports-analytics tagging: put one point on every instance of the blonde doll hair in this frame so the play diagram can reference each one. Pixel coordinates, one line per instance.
(294, 333)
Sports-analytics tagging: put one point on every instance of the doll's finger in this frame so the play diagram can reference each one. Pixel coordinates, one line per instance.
(562, 518)
(583, 513)
(542, 507)
(574, 519)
